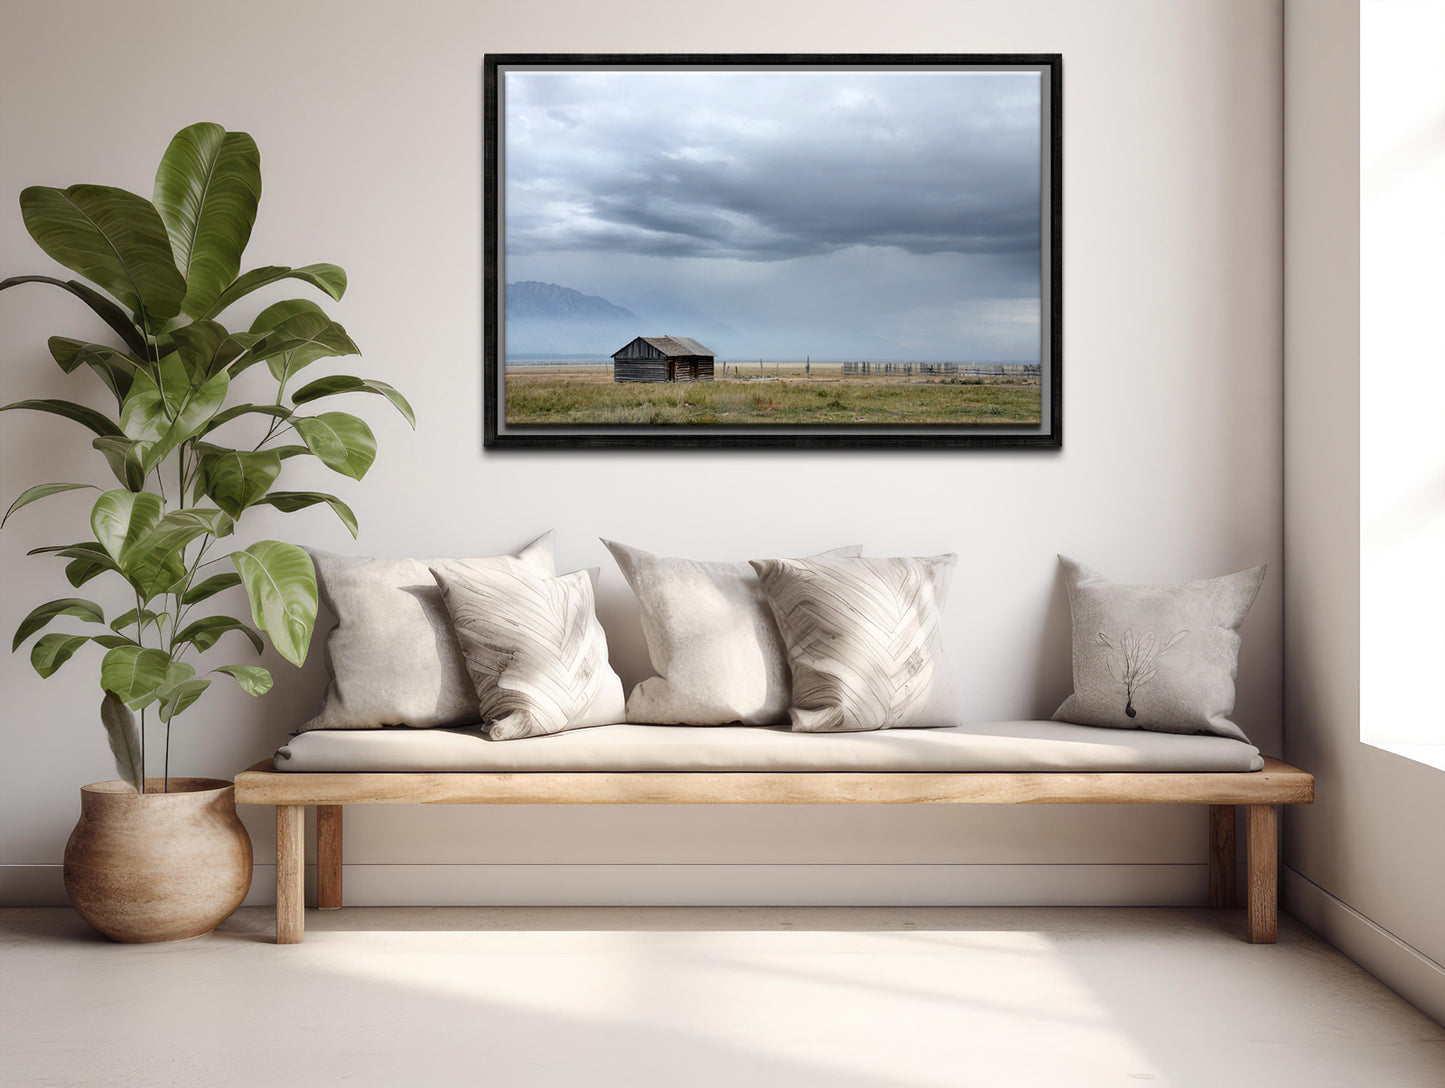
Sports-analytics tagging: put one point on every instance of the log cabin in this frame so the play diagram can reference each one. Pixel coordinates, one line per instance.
(663, 359)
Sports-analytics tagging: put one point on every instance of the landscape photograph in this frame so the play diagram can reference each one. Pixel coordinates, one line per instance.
(809, 249)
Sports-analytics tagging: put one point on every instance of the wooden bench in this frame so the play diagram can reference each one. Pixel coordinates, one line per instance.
(1259, 791)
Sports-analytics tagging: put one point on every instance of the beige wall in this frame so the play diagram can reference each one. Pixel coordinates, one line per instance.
(368, 115)
(1365, 863)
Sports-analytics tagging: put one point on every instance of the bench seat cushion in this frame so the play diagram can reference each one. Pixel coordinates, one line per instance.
(976, 747)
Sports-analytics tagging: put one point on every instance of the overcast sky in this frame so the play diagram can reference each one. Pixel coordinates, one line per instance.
(834, 214)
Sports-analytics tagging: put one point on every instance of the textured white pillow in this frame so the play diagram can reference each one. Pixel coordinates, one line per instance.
(865, 641)
(392, 656)
(712, 640)
(1159, 657)
(536, 654)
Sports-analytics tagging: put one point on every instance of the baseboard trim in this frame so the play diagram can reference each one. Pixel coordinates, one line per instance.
(1164, 885)
(1401, 966)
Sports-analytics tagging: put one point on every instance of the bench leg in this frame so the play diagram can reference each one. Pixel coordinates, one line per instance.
(290, 874)
(1221, 856)
(1263, 863)
(328, 856)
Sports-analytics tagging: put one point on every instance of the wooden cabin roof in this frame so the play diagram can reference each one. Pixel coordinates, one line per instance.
(673, 345)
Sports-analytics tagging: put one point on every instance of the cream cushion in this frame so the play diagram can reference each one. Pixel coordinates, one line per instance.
(712, 640)
(392, 655)
(1020, 746)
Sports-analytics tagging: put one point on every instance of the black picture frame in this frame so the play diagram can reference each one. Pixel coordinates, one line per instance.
(1048, 434)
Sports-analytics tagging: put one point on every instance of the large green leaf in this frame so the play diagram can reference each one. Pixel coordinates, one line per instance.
(236, 479)
(172, 689)
(113, 238)
(124, 737)
(80, 571)
(149, 560)
(207, 188)
(144, 617)
(74, 551)
(328, 277)
(41, 615)
(123, 455)
(87, 561)
(41, 491)
(280, 582)
(126, 523)
(275, 411)
(345, 383)
(204, 633)
(52, 651)
(89, 558)
(110, 642)
(342, 441)
(115, 368)
(194, 411)
(176, 698)
(210, 587)
(287, 501)
(276, 315)
(134, 674)
(103, 307)
(173, 382)
(207, 348)
(254, 680)
(293, 334)
(87, 417)
(143, 416)
(121, 518)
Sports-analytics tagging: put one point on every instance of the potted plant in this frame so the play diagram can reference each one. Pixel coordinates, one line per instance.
(164, 858)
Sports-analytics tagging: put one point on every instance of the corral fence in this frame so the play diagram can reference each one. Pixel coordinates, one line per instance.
(943, 370)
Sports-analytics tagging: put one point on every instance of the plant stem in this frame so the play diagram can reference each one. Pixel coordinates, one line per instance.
(142, 750)
(181, 607)
(280, 392)
(140, 641)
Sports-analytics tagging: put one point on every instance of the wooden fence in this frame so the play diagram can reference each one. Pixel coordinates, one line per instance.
(943, 370)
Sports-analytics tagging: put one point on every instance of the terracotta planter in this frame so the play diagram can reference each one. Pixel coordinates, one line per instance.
(157, 866)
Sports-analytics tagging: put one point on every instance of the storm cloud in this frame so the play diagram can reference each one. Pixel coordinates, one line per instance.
(893, 210)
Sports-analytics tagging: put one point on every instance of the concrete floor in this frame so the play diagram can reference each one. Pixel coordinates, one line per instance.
(697, 998)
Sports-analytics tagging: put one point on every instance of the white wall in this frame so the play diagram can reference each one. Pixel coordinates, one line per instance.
(1402, 440)
(1366, 862)
(368, 115)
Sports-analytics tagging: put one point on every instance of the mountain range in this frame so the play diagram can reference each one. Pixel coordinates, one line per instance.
(548, 319)
(532, 299)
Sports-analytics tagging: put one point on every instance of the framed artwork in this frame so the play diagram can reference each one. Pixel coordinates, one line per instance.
(773, 251)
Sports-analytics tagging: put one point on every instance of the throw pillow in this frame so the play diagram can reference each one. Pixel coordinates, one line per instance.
(712, 640)
(1159, 657)
(392, 656)
(864, 640)
(535, 652)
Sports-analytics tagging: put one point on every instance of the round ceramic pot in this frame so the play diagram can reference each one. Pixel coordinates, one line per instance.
(157, 866)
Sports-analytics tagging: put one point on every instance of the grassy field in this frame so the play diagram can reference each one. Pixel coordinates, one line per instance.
(777, 394)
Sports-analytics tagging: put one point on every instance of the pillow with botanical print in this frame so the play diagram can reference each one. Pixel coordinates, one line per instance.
(536, 654)
(865, 641)
(1159, 657)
